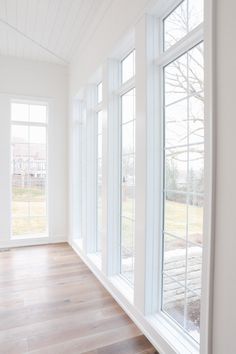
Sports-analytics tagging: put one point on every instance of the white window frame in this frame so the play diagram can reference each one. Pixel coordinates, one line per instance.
(98, 109)
(33, 124)
(93, 107)
(161, 322)
(123, 88)
(79, 204)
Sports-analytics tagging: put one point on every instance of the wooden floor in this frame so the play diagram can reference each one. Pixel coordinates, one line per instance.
(50, 303)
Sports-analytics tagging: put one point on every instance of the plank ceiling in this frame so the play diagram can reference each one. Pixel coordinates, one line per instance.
(48, 30)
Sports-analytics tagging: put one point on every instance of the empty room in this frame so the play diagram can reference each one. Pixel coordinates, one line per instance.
(118, 177)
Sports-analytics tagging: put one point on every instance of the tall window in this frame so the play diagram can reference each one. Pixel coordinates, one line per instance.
(127, 204)
(99, 168)
(29, 169)
(183, 150)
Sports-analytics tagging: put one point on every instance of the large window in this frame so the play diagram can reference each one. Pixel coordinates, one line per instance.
(183, 156)
(29, 169)
(127, 170)
(99, 168)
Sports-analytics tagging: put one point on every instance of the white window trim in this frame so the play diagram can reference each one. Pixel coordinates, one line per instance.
(93, 107)
(45, 103)
(123, 284)
(161, 321)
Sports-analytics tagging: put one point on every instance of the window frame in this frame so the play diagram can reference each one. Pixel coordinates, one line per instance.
(33, 124)
(98, 110)
(123, 88)
(158, 319)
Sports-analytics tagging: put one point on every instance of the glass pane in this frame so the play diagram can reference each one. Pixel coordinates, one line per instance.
(176, 122)
(128, 138)
(38, 152)
(127, 249)
(38, 113)
(37, 135)
(195, 218)
(194, 268)
(175, 75)
(183, 19)
(99, 146)
(196, 120)
(174, 264)
(99, 171)
(196, 169)
(37, 208)
(196, 71)
(195, 13)
(128, 170)
(100, 122)
(37, 189)
(37, 225)
(20, 150)
(128, 201)
(176, 163)
(128, 106)
(99, 92)
(20, 112)
(19, 134)
(193, 315)
(175, 218)
(175, 25)
(128, 67)
(173, 299)
(20, 208)
(20, 226)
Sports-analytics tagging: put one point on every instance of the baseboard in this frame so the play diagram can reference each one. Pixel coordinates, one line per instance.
(32, 241)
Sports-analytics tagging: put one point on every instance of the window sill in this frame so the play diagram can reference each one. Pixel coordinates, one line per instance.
(180, 341)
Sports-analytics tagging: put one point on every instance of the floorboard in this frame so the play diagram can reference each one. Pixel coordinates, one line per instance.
(51, 303)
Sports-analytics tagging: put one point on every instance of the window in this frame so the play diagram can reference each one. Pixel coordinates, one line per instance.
(128, 67)
(182, 20)
(183, 165)
(127, 202)
(99, 92)
(99, 169)
(29, 169)
(99, 181)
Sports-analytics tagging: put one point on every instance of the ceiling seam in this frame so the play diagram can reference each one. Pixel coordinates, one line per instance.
(33, 41)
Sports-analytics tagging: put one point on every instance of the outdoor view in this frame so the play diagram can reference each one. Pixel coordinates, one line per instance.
(184, 172)
(99, 181)
(29, 169)
(128, 185)
(128, 170)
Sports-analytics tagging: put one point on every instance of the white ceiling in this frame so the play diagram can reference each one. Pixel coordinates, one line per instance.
(48, 30)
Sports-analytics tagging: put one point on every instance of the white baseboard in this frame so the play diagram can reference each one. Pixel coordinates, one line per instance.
(34, 241)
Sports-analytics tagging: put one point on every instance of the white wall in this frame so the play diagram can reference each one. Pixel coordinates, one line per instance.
(36, 80)
(224, 322)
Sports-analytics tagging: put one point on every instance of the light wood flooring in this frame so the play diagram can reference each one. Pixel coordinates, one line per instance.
(51, 303)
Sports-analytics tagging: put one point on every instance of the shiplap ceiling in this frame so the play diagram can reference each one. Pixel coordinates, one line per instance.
(48, 30)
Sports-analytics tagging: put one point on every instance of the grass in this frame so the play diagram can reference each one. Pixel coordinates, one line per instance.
(22, 223)
(175, 216)
(175, 220)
